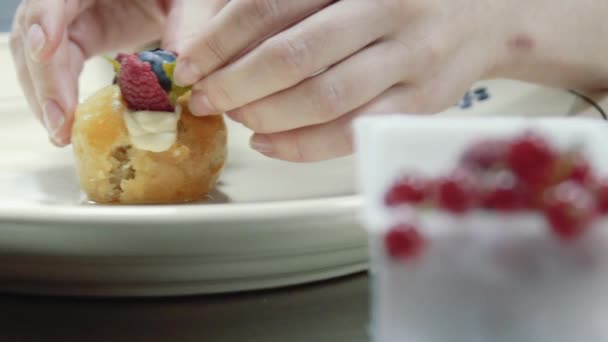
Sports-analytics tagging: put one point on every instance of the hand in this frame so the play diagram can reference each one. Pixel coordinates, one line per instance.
(51, 40)
(298, 72)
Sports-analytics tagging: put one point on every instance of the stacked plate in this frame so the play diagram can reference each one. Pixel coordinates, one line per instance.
(268, 224)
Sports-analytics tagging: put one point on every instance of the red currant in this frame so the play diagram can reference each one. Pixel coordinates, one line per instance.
(485, 154)
(502, 191)
(580, 170)
(457, 193)
(403, 241)
(407, 190)
(531, 159)
(602, 197)
(569, 208)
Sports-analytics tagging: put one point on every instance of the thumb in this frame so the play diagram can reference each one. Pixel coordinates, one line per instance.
(185, 17)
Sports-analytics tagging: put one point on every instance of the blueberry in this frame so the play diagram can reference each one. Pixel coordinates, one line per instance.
(167, 56)
(156, 58)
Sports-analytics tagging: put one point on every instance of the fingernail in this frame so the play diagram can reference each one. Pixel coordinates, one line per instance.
(53, 119)
(261, 143)
(35, 41)
(186, 73)
(200, 105)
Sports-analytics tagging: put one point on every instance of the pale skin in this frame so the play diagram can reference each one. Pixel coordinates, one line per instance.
(298, 72)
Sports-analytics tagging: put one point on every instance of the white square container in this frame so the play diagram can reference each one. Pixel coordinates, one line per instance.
(483, 276)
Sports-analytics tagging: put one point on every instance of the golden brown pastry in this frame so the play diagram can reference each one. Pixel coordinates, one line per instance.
(120, 160)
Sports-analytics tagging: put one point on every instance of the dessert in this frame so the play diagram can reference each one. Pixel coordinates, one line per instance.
(135, 141)
(486, 229)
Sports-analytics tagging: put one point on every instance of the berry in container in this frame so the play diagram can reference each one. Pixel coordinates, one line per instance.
(486, 229)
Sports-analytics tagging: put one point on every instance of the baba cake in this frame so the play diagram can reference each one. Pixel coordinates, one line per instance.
(136, 142)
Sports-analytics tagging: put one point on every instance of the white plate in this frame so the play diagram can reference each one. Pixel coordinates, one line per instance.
(270, 223)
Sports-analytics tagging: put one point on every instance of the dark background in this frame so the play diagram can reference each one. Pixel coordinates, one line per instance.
(7, 9)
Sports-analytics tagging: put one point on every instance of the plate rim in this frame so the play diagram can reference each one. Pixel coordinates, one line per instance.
(186, 213)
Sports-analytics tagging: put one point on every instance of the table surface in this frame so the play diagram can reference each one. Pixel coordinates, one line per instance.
(331, 311)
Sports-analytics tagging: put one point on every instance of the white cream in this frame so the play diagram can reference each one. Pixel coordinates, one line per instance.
(152, 131)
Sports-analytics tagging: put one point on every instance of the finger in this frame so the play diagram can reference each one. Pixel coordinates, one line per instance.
(308, 144)
(113, 26)
(186, 17)
(55, 85)
(43, 24)
(240, 24)
(334, 139)
(19, 60)
(70, 93)
(327, 96)
(286, 59)
(23, 75)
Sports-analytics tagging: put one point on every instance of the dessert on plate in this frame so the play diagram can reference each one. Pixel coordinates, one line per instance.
(136, 142)
(486, 229)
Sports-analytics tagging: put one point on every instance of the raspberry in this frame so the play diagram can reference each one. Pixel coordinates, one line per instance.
(485, 155)
(139, 85)
(502, 191)
(121, 56)
(569, 208)
(531, 159)
(403, 241)
(602, 197)
(456, 193)
(407, 190)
